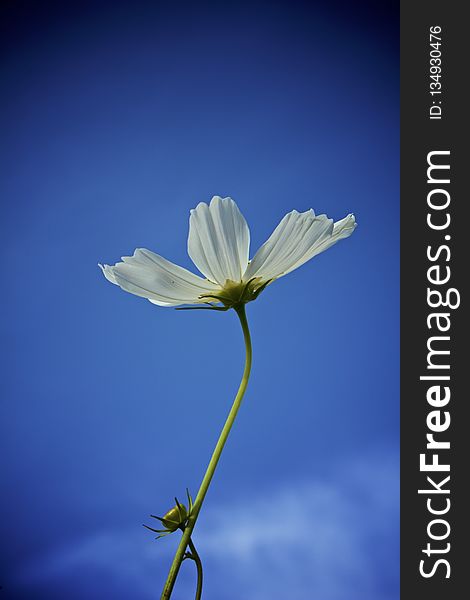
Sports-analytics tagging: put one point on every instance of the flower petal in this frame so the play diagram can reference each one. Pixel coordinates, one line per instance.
(219, 240)
(342, 229)
(151, 276)
(108, 273)
(297, 239)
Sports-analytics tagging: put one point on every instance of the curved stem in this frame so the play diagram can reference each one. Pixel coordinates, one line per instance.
(197, 560)
(185, 538)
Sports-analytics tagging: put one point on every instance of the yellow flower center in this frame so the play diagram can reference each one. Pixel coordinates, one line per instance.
(236, 292)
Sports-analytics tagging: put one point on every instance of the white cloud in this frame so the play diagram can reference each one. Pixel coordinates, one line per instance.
(328, 540)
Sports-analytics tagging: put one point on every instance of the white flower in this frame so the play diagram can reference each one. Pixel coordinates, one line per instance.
(218, 244)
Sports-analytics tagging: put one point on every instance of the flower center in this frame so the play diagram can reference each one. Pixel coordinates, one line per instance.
(237, 292)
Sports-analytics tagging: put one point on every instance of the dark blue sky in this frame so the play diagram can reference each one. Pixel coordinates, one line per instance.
(117, 118)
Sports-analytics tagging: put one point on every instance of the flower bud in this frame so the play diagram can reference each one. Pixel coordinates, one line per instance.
(175, 518)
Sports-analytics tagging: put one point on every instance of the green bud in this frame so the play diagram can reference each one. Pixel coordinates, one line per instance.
(175, 518)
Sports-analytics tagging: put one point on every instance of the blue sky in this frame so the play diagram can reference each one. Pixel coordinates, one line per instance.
(118, 119)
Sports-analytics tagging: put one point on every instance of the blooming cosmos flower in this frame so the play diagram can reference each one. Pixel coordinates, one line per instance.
(218, 244)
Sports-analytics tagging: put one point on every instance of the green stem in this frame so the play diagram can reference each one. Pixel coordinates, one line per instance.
(185, 538)
(197, 559)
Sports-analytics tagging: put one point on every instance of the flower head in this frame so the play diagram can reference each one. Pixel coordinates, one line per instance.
(218, 244)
